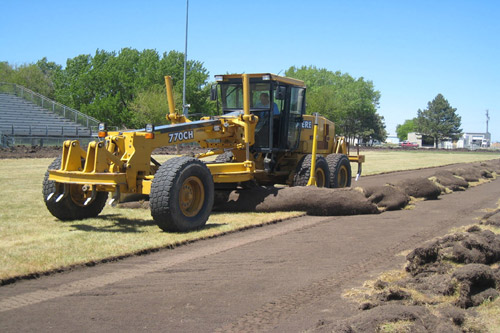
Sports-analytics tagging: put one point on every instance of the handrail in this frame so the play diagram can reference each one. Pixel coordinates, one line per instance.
(47, 130)
(40, 100)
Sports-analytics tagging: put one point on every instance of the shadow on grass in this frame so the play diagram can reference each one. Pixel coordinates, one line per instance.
(120, 224)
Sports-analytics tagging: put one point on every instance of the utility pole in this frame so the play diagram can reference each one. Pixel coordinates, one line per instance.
(487, 120)
(185, 107)
(488, 136)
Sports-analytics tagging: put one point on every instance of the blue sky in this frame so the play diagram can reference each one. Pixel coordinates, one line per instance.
(411, 50)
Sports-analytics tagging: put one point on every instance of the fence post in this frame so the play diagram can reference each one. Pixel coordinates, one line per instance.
(64, 112)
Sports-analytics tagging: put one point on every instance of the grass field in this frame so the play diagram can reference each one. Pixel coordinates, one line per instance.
(33, 241)
(387, 161)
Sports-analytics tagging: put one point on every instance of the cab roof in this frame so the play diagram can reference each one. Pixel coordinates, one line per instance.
(262, 76)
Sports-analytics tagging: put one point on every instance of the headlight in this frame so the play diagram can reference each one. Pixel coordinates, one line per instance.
(150, 128)
(103, 132)
(102, 127)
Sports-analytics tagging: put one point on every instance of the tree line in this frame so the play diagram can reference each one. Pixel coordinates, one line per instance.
(438, 121)
(124, 89)
(127, 89)
(349, 102)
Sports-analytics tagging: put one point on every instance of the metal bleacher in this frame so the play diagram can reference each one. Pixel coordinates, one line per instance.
(26, 115)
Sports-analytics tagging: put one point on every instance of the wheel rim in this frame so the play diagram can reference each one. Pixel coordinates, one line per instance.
(78, 195)
(342, 176)
(191, 196)
(320, 177)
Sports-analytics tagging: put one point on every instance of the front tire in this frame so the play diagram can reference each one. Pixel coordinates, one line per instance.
(340, 170)
(71, 206)
(303, 172)
(182, 195)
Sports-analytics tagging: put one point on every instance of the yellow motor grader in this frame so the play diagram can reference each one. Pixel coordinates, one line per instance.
(262, 136)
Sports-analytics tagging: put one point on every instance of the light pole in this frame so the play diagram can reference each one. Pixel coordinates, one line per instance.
(185, 107)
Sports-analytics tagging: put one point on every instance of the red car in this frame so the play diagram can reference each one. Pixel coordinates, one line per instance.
(408, 144)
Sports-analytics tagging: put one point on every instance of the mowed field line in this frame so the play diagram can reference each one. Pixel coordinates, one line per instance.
(168, 261)
(384, 161)
(33, 242)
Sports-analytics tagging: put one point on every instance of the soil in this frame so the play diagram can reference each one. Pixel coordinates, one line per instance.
(333, 202)
(313, 200)
(289, 276)
(21, 151)
(55, 151)
(458, 266)
(419, 187)
(387, 197)
(493, 219)
(30, 152)
(448, 179)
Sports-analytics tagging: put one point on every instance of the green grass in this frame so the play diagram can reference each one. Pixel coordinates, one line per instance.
(33, 241)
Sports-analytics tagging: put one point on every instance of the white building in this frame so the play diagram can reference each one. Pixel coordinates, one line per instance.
(467, 141)
(474, 140)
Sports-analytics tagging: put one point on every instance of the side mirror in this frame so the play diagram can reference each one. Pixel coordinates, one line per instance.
(213, 93)
(280, 93)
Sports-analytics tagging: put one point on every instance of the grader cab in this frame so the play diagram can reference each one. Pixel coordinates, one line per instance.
(261, 136)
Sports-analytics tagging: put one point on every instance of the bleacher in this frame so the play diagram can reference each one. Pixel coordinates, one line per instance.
(21, 118)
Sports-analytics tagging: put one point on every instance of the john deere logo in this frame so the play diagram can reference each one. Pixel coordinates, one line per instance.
(307, 124)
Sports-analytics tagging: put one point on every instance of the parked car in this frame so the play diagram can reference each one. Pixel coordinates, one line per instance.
(408, 144)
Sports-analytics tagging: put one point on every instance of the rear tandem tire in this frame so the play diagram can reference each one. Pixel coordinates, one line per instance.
(303, 171)
(70, 207)
(340, 170)
(182, 195)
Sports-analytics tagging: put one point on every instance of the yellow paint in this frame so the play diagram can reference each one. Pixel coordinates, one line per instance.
(123, 159)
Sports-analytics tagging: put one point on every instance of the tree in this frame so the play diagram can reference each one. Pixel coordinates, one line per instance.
(113, 87)
(439, 120)
(373, 128)
(6, 72)
(350, 103)
(150, 107)
(30, 76)
(408, 126)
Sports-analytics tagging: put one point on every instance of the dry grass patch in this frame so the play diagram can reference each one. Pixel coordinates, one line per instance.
(33, 241)
(400, 326)
(388, 161)
(487, 318)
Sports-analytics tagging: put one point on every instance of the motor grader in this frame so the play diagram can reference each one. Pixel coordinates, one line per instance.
(261, 136)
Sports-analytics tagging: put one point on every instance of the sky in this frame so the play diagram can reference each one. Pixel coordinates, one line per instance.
(410, 50)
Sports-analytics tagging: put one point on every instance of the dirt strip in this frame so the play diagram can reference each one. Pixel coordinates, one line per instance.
(269, 279)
